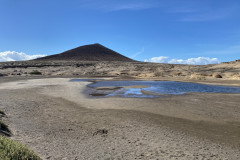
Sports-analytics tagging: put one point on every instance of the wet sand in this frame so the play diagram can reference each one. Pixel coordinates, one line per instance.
(57, 120)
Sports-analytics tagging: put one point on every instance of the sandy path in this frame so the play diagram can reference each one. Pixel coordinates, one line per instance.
(53, 117)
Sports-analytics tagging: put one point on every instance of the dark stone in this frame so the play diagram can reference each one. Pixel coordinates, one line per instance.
(101, 132)
(218, 76)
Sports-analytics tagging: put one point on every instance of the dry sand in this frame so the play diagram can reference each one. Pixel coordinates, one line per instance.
(58, 121)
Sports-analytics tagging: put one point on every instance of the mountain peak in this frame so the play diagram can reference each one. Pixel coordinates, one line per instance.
(97, 44)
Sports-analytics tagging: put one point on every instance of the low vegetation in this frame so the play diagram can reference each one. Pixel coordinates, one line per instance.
(13, 150)
(36, 72)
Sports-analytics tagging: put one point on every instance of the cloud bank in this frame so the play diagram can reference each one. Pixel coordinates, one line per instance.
(193, 61)
(16, 56)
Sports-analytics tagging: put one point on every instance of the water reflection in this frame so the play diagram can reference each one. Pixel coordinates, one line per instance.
(153, 89)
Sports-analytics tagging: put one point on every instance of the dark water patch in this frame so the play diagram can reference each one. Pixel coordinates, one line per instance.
(85, 80)
(109, 88)
(97, 94)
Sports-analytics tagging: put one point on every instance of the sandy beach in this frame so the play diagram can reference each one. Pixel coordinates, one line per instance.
(56, 119)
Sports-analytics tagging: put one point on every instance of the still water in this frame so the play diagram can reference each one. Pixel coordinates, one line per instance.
(160, 88)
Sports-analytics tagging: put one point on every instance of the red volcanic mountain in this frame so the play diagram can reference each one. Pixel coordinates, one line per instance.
(93, 52)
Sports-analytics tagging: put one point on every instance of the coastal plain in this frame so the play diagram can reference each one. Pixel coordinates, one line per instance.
(58, 120)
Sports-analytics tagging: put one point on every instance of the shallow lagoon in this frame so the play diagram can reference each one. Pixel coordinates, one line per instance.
(158, 88)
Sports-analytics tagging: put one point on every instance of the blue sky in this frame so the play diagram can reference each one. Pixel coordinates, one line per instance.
(150, 30)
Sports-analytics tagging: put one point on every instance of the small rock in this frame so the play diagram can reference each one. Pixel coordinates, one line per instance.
(218, 76)
(101, 131)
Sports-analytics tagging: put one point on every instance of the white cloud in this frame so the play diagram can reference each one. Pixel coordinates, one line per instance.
(199, 60)
(193, 61)
(160, 59)
(16, 56)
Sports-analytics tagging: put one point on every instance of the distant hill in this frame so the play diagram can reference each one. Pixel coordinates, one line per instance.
(93, 52)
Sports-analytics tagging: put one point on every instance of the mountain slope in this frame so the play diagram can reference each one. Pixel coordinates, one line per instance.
(93, 52)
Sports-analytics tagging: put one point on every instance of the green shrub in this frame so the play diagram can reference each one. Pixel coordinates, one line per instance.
(13, 150)
(36, 72)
